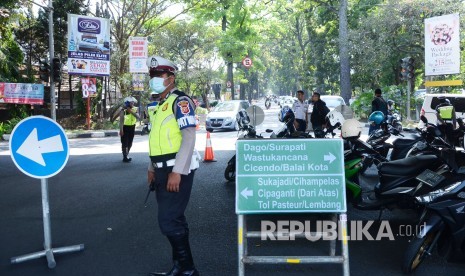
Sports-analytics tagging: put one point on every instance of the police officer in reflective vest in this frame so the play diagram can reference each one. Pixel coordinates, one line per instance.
(127, 126)
(447, 120)
(171, 142)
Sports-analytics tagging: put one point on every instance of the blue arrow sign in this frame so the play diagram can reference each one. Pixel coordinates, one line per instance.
(39, 147)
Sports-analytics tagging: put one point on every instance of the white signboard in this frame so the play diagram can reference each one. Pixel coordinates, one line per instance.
(442, 45)
(88, 46)
(138, 49)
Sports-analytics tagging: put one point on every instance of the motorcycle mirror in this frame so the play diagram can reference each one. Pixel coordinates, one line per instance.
(423, 119)
(346, 111)
(256, 114)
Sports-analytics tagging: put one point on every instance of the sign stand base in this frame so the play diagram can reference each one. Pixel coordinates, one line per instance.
(48, 250)
(245, 258)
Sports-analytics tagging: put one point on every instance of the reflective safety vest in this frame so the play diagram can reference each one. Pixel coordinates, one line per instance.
(446, 112)
(129, 119)
(151, 108)
(165, 136)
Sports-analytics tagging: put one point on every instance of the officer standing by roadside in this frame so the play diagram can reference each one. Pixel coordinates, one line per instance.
(127, 126)
(300, 108)
(171, 142)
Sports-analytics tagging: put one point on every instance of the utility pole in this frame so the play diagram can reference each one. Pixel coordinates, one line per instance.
(52, 55)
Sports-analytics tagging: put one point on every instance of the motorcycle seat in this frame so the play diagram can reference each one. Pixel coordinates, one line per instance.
(407, 141)
(407, 166)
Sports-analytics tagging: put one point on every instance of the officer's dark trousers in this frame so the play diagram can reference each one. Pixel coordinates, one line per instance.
(171, 205)
(171, 218)
(127, 138)
(302, 125)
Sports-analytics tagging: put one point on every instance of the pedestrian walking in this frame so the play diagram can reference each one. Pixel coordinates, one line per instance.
(127, 126)
(171, 146)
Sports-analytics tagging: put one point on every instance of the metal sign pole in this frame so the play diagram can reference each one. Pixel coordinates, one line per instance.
(48, 250)
(241, 239)
(46, 217)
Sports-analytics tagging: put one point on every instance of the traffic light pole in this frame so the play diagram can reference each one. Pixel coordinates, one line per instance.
(409, 88)
(52, 55)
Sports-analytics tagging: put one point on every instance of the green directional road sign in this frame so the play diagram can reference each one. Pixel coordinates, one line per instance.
(290, 176)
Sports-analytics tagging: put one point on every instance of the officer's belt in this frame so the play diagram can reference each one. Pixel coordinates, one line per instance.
(164, 164)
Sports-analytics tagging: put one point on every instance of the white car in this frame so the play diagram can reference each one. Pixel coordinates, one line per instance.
(287, 100)
(331, 102)
(431, 101)
(223, 116)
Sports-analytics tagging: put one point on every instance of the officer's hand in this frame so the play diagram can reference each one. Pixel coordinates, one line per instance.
(121, 133)
(150, 177)
(173, 182)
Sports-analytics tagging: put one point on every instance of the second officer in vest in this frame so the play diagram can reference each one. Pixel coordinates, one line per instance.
(127, 126)
(171, 142)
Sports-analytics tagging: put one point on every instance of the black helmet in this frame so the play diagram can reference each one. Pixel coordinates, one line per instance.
(390, 102)
(442, 99)
(242, 118)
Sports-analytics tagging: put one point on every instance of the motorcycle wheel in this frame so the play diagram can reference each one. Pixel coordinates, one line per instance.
(398, 126)
(416, 252)
(230, 172)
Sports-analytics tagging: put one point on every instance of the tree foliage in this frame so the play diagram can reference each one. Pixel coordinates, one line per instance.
(294, 45)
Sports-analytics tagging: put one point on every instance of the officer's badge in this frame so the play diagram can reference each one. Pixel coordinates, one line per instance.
(153, 62)
(165, 107)
(184, 105)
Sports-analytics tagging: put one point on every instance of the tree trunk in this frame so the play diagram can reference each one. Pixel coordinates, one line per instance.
(344, 52)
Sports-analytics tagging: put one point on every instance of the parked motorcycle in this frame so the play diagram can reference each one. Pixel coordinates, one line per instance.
(442, 223)
(397, 179)
(246, 131)
(394, 118)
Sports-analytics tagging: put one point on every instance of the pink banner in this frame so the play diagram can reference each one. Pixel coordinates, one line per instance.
(22, 93)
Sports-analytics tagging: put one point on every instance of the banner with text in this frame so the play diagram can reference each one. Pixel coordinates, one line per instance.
(88, 45)
(290, 176)
(89, 87)
(21, 93)
(138, 53)
(442, 45)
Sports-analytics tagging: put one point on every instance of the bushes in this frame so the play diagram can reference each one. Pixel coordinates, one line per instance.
(362, 105)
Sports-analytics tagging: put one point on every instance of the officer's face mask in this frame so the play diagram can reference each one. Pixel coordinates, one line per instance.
(156, 85)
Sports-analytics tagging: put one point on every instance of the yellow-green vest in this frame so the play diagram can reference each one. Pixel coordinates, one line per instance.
(129, 119)
(165, 136)
(446, 112)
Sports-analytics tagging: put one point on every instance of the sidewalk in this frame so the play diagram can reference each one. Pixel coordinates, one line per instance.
(72, 134)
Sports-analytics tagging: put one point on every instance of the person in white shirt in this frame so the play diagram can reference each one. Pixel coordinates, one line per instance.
(300, 108)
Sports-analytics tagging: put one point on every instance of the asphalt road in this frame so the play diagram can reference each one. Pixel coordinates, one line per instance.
(97, 200)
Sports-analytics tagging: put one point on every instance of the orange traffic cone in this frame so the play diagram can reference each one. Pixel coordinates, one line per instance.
(209, 155)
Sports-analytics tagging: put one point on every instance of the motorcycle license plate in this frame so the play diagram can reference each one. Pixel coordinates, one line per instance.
(430, 178)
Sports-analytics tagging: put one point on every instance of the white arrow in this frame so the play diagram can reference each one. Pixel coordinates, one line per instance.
(330, 157)
(246, 193)
(33, 149)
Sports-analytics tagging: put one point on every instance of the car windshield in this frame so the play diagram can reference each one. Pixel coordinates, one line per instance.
(90, 40)
(335, 102)
(226, 106)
